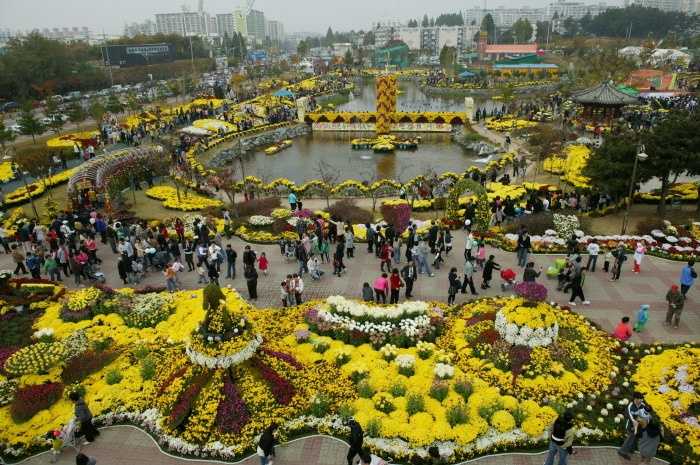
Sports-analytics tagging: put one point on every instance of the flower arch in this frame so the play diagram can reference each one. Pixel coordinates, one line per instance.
(483, 214)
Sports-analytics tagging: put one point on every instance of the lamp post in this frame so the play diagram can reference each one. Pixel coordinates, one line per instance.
(640, 156)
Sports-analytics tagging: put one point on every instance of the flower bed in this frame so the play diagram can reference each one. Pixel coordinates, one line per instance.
(188, 201)
(462, 392)
(402, 325)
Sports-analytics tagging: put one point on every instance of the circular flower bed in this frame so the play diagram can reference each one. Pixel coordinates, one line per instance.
(531, 351)
(260, 220)
(80, 305)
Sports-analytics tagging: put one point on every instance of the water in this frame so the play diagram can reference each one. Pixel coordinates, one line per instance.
(437, 153)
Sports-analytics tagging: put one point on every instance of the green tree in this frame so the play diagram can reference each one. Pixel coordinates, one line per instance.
(425, 22)
(522, 30)
(489, 26)
(329, 36)
(348, 58)
(673, 147)
(546, 141)
(302, 48)
(6, 136)
(607, 164)
(571, 26)
(133, 104)
(29, 125)
(97, 111)
(448, 58)
(114, 105)
(369, 38)
(56, 123)
(76, 113)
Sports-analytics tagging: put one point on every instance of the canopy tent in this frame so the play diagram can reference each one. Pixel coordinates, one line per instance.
(628, 90)
(194, 131)
(284, 93)
(466, 75)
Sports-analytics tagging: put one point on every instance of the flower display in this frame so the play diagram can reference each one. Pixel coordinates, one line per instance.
(34, 359)
(260, 220)
(525, 325)
(188, 201)
(79, 305)
(147, 310)
(508, 123)
(7, 174)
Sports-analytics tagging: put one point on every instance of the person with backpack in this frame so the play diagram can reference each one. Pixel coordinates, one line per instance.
(266, 445)
(688, 277)
(356, 440)
(634, 411)
(251, 277)
(561, 439)
(675, 306)
(577, 283)
(650, 435)
(84, 416)
(620, 259)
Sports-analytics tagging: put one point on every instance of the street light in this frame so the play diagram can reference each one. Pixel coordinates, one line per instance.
(641, 156)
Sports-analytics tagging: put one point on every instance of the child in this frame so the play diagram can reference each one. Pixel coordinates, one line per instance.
(623, 331)
(608, 259)
(481, 254)
(284, 293)
(367, 293)
(438, 258)
(642, 318)
(202, 272)
(263, 263)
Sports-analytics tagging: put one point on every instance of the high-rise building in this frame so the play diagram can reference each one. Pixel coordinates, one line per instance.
(429, 39)
(146, 28)
(275, 31)
(506, 17)
(256, 25)
(240, 23)
(685, 6)
(184, 24)
(225, 24)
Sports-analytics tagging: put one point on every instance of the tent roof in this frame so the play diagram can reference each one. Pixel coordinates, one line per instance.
(604, 94)
(466, 74)
(283, 93)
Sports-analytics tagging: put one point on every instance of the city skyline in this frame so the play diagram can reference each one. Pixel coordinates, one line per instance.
(359, 14)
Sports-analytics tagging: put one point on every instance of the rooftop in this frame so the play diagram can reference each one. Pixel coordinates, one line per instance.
(511, 48)
(604, 94)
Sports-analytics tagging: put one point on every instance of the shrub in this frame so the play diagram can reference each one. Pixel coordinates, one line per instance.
(374, 428)
(457, 414)
(82, 366)
(113, 377)
(414, 404)
(347, 211)
(463, 388)
(346, 411)
(536, 223)
(30, 400)
(439, 390)
(256, 207)
(148, 368)
(397, 215)
(365, 390)
(646, 225)
(398, 390)
(319, 406)
(141, 352)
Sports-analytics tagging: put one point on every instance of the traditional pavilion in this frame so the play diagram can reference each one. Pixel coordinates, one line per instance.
(603, 103)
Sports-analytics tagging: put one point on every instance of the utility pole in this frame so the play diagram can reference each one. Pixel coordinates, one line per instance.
(105, 50)
(186, 10)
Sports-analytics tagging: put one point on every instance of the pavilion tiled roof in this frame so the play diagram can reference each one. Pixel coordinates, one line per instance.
(604, 94)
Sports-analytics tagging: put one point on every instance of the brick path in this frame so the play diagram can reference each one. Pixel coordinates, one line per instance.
(130, 446)
(610, 301)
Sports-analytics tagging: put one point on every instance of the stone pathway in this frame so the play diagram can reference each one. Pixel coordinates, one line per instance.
(609, 301)
(125, 445)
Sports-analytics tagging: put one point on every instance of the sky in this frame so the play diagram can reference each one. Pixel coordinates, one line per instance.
(296, 15)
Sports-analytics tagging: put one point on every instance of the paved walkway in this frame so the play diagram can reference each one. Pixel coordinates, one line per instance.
(609, 301)
(124, 445)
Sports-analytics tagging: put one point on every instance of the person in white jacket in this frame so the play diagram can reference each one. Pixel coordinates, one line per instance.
(593, 250)
(314, 268)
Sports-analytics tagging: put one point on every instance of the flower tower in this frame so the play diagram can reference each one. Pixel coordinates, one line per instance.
(386, 103)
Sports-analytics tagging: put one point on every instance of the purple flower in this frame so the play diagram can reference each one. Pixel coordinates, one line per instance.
(531, 291)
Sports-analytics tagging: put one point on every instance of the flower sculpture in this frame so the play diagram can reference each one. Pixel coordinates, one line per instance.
(530, 326)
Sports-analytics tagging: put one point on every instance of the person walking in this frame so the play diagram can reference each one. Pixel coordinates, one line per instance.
(385, 257)
(620, 259)
(338, 265)
(639, 253)
(642, 318)
(298, 287)
(292, 199)
(251, 277)
(577, 283)
(635, 409)
(688, 276)
(530, 275)
(487, 274)
(263, 263)
(188, 249)
(593, 250)
(523, 247)
(675, 300)
(395, 285)
(454, 286)
(409, 273)
(650, 435)
(561, 439)
(231, 257)
(51, 268)
(84, 416)
(171, 278)
(381, 286)
(356, 440)
(469, 270)
(18, 258)
(349, 242)
(266, 444)
(213, 273)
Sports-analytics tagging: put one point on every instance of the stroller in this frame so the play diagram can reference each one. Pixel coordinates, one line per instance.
(160, 260)
(93, 273)
(63, 438)
(508, 277)
(290, 251)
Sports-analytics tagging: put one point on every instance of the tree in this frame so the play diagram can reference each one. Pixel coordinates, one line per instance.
(448, 58)
(673, 147)
(546, 141)
(133, 104)
(97, 111)
(76, 113)
(450, 19)
(522, 30)
(56, 122)
(302, 48)
(29, 125)
(542, 28)
(225, 180)
(571, 26)
(348, 58)
(607, 164)
(369, 38)
(425, 22)
(329, 175)
(329, 36)
(114, 105)
(489, 26)
(6, 136)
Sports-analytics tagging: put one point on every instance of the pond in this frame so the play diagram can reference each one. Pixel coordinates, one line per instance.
(301, 161)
